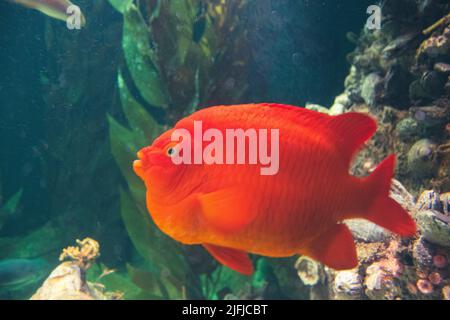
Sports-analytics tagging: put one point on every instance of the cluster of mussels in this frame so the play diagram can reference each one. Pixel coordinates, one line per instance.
(401, 75)
(390, 267)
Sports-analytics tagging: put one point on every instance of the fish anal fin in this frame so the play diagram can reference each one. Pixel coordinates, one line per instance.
(334, 248)
(226, 210)
(232, 258)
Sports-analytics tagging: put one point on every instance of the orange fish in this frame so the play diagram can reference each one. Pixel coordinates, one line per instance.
(233, 210)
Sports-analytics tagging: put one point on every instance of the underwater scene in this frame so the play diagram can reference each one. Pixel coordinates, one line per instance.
(224, 150)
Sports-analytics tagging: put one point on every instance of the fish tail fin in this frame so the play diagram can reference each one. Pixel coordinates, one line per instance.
(384, 211)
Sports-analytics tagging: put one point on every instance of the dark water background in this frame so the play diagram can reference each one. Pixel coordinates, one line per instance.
(299, 55)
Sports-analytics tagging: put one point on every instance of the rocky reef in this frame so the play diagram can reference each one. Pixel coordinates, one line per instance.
(68, 280)
(400, 74)
(390, 267)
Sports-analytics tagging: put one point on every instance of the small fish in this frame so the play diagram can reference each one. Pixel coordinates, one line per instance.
(53, 8)
(233, 210)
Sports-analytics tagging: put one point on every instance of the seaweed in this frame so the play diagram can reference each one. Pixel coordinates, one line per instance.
(175, 52)
(141, 58)
(9, 208)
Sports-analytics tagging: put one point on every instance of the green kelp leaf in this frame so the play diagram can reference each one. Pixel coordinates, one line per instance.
(222, 278)
(159, 250)
(10, 208)
(47, 240)
(184, 13)
(116, 281)
(284, 273)
(263, 273)
(193, 105)
(152, 283)
(143, 295)
(140, 58)
(141, 122)
(124, 148)
(146, 280)
(120, 5)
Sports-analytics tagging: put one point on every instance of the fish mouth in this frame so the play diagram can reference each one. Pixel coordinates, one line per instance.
(138, 166)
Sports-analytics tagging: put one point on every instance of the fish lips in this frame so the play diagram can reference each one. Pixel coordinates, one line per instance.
(138, 165)
(144, 162)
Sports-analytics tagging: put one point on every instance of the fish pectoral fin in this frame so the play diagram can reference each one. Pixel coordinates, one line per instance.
(334, 248)
(226, 210)
(234, 259)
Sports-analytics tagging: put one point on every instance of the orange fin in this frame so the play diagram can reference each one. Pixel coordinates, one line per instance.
(335, 248)
(234, 259)
(350, 131)
(385, 211)
(226, 210)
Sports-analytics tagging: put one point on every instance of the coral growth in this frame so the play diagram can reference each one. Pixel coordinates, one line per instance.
(394, 268)
(84, 254)
(68, 280)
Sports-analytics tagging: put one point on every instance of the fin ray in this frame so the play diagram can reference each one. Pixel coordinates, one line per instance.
(226, 210)
(335, 248)
(350, 131)
(232, 258)
(385, 211)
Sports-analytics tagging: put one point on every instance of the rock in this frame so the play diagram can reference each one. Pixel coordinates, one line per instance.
(336, 109)
(65, 283)
(316, 107)
(408, 129)
(431, 117)
(434, 226)
(417, 91)
(434, 47)
(396, 86)
(367, 231)
(422, 162)
(371, 89)
(445, 203)
(343, 99)
(433, 83)
(348, 285)
(429, 200)
(68, 280)
(422, 254)
(340, 103)
(447, 87)
(399, 193)
(443, 68)
(308, 270)
(399, 45)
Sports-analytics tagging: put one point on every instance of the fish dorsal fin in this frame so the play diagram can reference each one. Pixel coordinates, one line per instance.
(300, 115)
(350, 131)
(232, 258)
(226, 210)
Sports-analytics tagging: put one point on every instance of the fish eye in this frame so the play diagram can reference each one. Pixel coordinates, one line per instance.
(170, 151)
